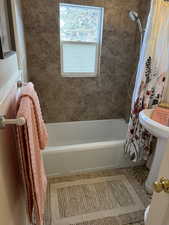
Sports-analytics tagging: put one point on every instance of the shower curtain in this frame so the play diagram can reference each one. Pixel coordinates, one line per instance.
(151, 80)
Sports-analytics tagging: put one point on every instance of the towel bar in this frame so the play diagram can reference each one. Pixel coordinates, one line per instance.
(18, 121)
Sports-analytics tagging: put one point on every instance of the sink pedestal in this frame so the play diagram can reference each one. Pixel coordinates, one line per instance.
(162, 144)
(162, 133)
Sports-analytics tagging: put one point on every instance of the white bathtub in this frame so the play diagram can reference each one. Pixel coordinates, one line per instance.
(85, 146)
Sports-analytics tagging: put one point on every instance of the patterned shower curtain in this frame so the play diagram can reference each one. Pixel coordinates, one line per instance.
(151, 80)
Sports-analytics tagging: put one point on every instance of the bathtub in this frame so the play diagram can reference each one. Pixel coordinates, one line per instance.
(85, 146)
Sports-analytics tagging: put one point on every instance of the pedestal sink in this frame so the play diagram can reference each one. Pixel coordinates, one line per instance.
(162, 133)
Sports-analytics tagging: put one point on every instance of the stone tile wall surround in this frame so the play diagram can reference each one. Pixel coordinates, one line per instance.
(72, 99)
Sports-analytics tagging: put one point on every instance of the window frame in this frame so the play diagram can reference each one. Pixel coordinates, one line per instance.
(98, 45)
(8, 26)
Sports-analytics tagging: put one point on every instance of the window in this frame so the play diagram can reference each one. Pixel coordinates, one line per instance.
(80, 40)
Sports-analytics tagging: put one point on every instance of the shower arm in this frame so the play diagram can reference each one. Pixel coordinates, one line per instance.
(141, 31)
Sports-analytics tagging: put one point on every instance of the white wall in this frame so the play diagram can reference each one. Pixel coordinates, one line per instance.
(12, 200)
(12, 197)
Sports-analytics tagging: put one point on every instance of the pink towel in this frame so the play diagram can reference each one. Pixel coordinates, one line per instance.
(28, 91)
(161, 115)
(32, 137)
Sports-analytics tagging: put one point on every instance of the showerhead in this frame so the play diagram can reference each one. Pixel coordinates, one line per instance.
(133, 16)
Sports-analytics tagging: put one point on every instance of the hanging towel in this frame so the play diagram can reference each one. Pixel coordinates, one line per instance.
(32, 138)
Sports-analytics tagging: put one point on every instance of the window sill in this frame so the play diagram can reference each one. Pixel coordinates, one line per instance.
(78, 75)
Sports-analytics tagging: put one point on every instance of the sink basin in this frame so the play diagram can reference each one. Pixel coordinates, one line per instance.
(162, 133)
(156, 129)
